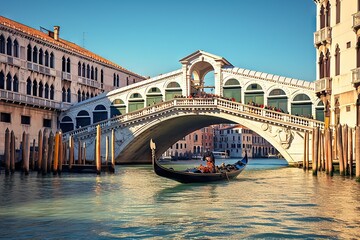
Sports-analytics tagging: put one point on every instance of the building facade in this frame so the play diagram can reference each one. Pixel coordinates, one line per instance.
(42, 74)
(337, 43)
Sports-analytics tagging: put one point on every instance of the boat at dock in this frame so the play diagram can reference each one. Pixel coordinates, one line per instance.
(222, 155)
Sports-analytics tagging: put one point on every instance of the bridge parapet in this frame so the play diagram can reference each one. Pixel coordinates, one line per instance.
(235, 108)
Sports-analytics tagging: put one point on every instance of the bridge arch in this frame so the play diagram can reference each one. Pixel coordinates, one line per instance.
(197, 72)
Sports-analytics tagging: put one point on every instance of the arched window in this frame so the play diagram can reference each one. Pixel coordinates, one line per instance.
(337, 60)
(41, 55)
(29, 52)
(63, 64)
(83, 70)
(327, 64)
(87, 95)
(63, 94)
(327, 13)
(9, 46)
(2, 44)
(321, 66)
(46, 91)
(92, 72)
(2, 80)
(232, 90)
(52, 92)
(102, 76)
(46, 58)
(278, 100)
(114, 82)
(338, 11)
(319, 111)
(68, 65)
(96, 74)
(100, 113)
(83, 97)
(136, 102)
(35, 86)
(8, 82)
(79, 69)
(153, 96)
(16, 84)
(117, 107)
(16, 48)
(52, 60)
(68, 94)
(117, 81)
(41, 89)
(172, 89)
(254, 94)
(66, 124)
(87, 71)
(82, 119)
(35, 55)
(301, 106)
(79, 95)
(28, 86)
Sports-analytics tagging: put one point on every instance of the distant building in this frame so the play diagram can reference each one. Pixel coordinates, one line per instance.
(42, 74)
(337, 43)
(261, 147)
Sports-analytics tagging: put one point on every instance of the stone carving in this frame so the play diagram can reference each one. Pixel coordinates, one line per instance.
(285, 137)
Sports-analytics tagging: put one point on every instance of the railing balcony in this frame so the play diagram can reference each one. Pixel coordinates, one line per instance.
(356, 21)
(322, 36)
(88, 82)
(28, 100)
(356, 77)
(66, 76)
(323, 85)
(10, 60)
(40, 68)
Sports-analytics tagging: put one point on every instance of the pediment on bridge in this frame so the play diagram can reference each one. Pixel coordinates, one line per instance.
(204, 55)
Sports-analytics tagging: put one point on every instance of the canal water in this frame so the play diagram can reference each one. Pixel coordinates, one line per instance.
(267, 201)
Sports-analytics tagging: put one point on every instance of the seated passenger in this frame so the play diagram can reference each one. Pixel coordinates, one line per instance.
(210, 163)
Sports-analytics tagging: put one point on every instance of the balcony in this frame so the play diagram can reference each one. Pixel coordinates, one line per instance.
(323, 36)
(10, 60)
(356, 77)
(41, 69)
(88, 82)
(323, 85)
(66, 76)
(356, 21)
(28, 100)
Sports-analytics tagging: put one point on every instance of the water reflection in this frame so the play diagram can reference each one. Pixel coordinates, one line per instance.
(265, 201)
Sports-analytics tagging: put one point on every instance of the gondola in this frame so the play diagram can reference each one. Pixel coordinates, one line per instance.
(228, 172)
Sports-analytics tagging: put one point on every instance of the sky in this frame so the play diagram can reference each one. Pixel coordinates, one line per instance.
(149, 37)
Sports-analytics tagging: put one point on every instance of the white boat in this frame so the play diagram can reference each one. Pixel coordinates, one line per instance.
(220, 154)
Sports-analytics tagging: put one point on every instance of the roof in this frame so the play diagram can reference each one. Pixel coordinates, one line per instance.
(200, 52)
(60, 43)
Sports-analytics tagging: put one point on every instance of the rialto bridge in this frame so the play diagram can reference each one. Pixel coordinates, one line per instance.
(169, 106)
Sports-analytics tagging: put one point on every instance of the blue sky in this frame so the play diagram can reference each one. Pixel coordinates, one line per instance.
(150, 37)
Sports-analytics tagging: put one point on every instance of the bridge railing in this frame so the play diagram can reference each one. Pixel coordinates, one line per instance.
(256, 112)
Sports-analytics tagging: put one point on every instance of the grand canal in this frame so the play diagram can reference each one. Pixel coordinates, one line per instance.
(267, 200)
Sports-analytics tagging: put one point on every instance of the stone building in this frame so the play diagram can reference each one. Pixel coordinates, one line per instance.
(42, 74)
(337, 43)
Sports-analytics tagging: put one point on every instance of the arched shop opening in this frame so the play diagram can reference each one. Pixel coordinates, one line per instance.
(118, 107)
(172, 90)
(66, 124)
(100, 113)
(301, 106)
(254, 94)
(136, 102)
(153, 96)
(232, 90)
(319, 111)
(277, 98)
(82, 119)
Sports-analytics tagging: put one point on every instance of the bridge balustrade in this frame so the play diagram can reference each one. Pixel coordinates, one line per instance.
(255, 112)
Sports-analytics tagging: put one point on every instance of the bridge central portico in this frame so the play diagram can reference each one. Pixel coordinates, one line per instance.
(168, 107)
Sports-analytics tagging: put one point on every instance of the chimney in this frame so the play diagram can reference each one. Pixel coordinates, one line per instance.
(56, 32)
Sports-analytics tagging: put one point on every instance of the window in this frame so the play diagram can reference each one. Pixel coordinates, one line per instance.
(16, 84)
(2, 80)
(25, 120)
(46, 58)
(28, 87)
(35, 55)
(68, 65)
(79, 69)
(338, 11)
(5, 117)
(9, 46)
(41, 56)
(63, 64)
(29, 52)
(348, 45)
(52, 60)
(2, 44)
(8, 82)
(52, 92)
(47, 123)
(16, 48)
(337, 61)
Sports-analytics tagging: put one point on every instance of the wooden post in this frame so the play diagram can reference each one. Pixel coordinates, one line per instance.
(33, 156)
(22, 149)
(340, 150)
(326, 149)
(306, 150)
(84, 153)
(40, 151)
(350, 152)
(106, 150)
(345, 148)
(322, 149)
(56, 154)
(357, 151)
(45, 153)
(7, 151)
(315, 150)
(98, 149)
(61, 153)
(113, 149)
(71, 152)
(79, 159)
(330, 149)
(26, 151)
(51, 152)
(12, 149)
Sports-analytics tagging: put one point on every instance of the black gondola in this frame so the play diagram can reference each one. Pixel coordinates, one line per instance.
(227, 173)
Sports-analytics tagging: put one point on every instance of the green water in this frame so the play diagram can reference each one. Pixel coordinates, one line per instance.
(266, 201)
